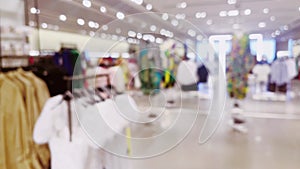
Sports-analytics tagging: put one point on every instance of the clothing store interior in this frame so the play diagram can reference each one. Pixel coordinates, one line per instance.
(145, 84)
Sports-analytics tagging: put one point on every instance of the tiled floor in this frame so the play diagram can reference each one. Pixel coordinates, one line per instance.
(272, 141)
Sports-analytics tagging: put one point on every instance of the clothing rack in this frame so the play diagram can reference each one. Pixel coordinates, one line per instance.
(68, 98)
(69, 79)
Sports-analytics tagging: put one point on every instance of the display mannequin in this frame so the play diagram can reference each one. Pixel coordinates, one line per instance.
(239, 63)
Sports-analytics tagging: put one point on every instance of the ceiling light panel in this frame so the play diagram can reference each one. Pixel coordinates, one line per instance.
(103, 9)
(247, 11)
(80, 21)
(233, 13)
(223, 13)
(266, 10)
(87, 3)
(62, 17)
(181, 5)
(120, 15)
(149, 7)
(231, 2)
(262, 24)
(200, 15)
(139, 2)
(165, 16)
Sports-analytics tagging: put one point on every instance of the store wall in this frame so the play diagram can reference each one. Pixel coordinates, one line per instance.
(46, 39)
(12, 12)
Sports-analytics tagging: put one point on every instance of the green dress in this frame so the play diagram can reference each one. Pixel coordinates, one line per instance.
(239, 63)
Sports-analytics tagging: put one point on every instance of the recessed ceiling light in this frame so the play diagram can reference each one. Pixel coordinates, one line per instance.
(139, 2)
(277, 32)
(223, 13)
(272, 18)
(80, 21)
(131, 34)
(209, 22)
(233, 13)
(200, 15)
(231, 2)
(299, 8)
(153, 28)
(273, 35)
(262, 24)
(91, 24)
(62, 17)
(191, 32)
(148, 7)
(118, 31)
(165, 16)
(236, 26)
(33, 10)
(247, 12)
(256, 36)
(120, 15)
(285, 27)
(181, 5)
(44, 25)
(102, 9)
(87, 3)
(266, 10)
(174, 22)
(180, 16)
(105, 27)
(96, 25)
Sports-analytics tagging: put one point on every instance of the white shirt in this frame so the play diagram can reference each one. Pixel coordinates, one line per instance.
(187, 73)
(291, 68)
(262, 72)
(52, 127)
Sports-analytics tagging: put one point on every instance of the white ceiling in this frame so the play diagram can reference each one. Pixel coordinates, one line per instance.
(286, 12)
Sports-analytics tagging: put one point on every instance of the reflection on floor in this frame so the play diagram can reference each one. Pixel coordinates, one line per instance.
(272, 141)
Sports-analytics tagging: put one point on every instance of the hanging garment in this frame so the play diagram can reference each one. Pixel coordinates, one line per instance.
(52, 128)
(70, 60)
(261, 71)
(291, 68)
(239, 63)
(13, 126)
(279, 73)
(187, 73)
(33, 92)
(202, 73)
(99, 81)
(117, 78)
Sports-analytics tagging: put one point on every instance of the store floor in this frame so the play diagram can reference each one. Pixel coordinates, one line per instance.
(272, 141)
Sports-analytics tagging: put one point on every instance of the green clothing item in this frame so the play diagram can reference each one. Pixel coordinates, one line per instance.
(239, 63)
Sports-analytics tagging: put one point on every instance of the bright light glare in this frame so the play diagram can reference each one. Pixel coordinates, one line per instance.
(247, 12)
(62, 17)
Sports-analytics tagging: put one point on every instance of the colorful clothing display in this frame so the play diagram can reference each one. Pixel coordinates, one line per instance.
(239, 63)
(149, 76)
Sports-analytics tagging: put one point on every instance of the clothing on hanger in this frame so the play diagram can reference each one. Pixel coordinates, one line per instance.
(261, 71)
(28, 93)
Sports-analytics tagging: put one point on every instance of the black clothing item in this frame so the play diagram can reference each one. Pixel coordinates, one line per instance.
(202, 73)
